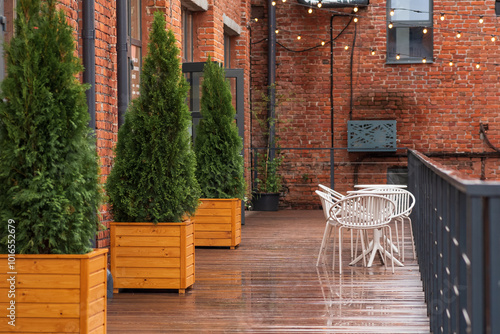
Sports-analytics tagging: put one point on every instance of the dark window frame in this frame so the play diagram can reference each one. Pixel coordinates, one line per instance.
(417, 26)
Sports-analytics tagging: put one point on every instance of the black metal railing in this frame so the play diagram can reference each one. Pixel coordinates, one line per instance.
(456, 226)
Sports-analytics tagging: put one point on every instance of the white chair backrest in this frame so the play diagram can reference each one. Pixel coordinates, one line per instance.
(335, 194)
(404, 200)
(326, 203)
(363, 211)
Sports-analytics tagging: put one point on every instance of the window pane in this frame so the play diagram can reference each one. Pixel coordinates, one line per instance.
(135, 19)
(409, 43)
(187, 35)
(410, 10)
(227, 51)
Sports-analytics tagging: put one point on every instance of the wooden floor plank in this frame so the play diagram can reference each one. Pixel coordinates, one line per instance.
(270, 284)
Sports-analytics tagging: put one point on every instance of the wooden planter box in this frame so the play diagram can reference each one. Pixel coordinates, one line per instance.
(55, 293)
(218, 222)
(148, 256)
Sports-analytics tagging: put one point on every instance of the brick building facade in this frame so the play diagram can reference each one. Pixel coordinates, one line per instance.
(320, 84)
(438, 108)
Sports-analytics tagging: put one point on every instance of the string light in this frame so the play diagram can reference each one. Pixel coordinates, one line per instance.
(273, 3)
(424, 60)
(322, 42)
(355, 19)
(398, 56)
(346, 47)
(478, 65)
(481, 20)
(450, 63)
(277, 31)
(355, 9)
(390, 25)
(310, 10)
(442, 17)
(283, 0)
(459, 34)
(256, 19)
(424, 31)
(299, 37)
(372, 51)
(493, 38)
(392, 12)
(320, 4)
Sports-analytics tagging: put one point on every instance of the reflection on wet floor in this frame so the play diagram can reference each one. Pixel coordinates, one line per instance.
(270, 284)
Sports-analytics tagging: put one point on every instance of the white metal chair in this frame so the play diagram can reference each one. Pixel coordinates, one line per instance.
(326, 203)
(405, 201)
(365, 212)
(332, 196)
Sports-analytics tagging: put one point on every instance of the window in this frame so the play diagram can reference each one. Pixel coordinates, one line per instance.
(227, 51)
(187, 36)
(409, 31)
(497, 7)
(135, 53)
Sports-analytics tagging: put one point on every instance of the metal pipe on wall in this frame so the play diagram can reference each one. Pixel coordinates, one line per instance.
(122, 59)
(271, 65)
(88, 40)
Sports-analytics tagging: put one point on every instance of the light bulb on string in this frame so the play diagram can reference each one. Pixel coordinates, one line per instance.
(459, 34)
(355, 9)
(392, 12)
(398, 56)
(481, 20)
(283, 0)
(424, 31)
(372, 51)
(493, 38)
(424, 60)
(273, 3)
(256, 19)
(390, 25)
(478, 65)
(310, 10)
(322, 42)
(320, 4)
(299, 37)
(450, 63)
(355, 20)
(277, 31)
(346, 47)
(442, 17)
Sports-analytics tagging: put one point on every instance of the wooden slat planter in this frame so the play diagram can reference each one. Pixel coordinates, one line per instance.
(55, 293)
(148, 256)
(218, 222)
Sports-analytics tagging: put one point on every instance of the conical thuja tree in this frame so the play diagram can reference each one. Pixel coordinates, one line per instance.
(153, 178)
(218, 145)
(49, 187)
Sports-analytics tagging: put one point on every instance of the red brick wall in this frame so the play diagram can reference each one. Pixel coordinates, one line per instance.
(438, 108)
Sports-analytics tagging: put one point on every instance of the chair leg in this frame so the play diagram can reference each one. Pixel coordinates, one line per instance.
(322, 249)
(333, 262)
(392, 252)
(341, 242)
(412, 241)
(397, 234)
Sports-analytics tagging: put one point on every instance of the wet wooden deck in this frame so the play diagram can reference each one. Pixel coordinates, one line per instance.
(270, 284)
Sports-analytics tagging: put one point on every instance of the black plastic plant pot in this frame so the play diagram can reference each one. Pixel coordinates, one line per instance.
(265, 201)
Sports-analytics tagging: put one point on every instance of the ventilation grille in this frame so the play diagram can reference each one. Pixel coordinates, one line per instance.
(371, 136)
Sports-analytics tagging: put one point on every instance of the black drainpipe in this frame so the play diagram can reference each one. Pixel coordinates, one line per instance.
(122, 61)
(271, 67)
(88, 37)
(332, 116)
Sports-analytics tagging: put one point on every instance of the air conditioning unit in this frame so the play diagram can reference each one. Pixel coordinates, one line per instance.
(371, 136)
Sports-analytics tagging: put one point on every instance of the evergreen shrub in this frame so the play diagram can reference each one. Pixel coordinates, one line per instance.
(153, 178)
(218, 145)
(49, 186)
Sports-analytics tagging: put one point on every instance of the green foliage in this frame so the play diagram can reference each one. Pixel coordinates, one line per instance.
(48, 163)
(218, 145)
(153, 178)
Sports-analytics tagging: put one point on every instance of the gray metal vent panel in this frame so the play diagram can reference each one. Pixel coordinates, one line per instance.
(371, 136)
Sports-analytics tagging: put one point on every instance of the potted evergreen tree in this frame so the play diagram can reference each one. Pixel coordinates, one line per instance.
(49, 182)
(220, 164)
(152, 187)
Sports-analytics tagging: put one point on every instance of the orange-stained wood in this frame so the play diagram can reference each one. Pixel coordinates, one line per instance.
(218, 223)
(152, 256)
(56, 293)
(270, 284)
